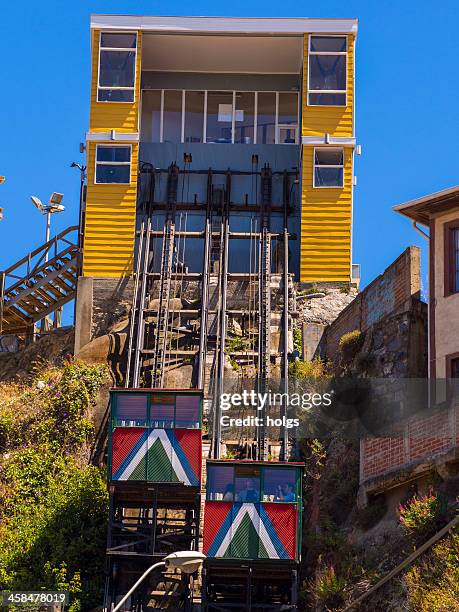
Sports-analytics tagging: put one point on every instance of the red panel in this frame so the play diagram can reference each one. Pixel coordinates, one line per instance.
(214, 515)
(191, 442)
(123, 440)
(284, 518)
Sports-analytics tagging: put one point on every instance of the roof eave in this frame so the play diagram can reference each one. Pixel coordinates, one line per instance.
(224, 25)
(423, 209)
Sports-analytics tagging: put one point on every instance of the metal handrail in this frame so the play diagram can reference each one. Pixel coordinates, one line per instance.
(43, 248)
(34, 266)
(405, 563)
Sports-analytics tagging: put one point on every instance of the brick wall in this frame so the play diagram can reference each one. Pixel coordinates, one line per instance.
(390, 292)
(418, 439)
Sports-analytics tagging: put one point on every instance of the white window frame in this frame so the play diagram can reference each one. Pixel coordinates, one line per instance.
(292, 126)
(110, 163)
(327, 91)
(105, 87)
(314, 166)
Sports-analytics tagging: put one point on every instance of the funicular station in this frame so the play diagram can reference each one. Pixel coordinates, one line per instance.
(219, 171)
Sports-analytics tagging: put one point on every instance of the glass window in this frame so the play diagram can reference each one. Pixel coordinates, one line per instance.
(327, 70)
(117, 67)
(187, 410)
(287, 118)
(220, 486)
(329, 44)
(162, 409)
(219, 116)
(455, 368)
(131, 409)
(279, 485)
(247, 484)
(244, 117)
(266, 118)
(288, 108)
(194, 116)
(151, 116)
(328, 167)
(113, 164)
(118, 40)
(172, 116)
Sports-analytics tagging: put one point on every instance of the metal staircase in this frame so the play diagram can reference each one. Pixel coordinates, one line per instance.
(39, 284)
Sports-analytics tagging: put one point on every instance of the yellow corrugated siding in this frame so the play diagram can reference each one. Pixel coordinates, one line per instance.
(109, 223)
(326, 219)
(120, 116)
(320, 120)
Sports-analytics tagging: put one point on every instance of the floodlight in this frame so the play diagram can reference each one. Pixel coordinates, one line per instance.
(2, 179)
(56, 208)
(37, 203)
(56, 198)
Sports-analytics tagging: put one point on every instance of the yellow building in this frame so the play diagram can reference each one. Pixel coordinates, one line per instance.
(147, 69)
(223, 93)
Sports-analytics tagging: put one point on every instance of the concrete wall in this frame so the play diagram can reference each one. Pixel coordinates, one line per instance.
(446, 308)
(100, 304)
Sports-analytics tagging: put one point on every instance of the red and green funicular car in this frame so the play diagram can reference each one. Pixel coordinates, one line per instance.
(155, 436)
(253, 510)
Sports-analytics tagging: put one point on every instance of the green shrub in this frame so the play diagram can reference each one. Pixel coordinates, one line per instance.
(328, 588)
(302, 370)
(298, 339)
(422, 513)
(350, 344)
(53, 506)
(433, 583)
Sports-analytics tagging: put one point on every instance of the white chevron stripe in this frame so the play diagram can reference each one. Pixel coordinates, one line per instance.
(251, 510)
(140, 454)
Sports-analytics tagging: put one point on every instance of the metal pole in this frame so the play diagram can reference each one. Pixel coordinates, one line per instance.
(81, 218)
(139, 581)
(221, 354)
(48, 231)
(285, 362)
(204, 306)
(2, 298)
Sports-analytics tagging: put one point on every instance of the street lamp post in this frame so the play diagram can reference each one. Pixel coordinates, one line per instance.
(54, 206)
(188, 561)
(2, 180)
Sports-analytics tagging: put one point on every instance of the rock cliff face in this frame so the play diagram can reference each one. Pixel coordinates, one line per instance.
(51, 348)
(326, 306)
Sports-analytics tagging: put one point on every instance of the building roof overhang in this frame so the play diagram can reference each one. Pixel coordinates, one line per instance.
(422, 210)
(224, 25)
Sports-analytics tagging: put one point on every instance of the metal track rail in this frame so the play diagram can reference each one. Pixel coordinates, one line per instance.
(264, 289)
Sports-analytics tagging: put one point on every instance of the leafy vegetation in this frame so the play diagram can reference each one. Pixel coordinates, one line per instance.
(53, 505)
(297, 339)
(433, 583)
(351, 343)
(302, 370)
(236, 344)
(421, 514)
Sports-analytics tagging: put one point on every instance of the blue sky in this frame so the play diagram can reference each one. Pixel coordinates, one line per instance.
(407, 98)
